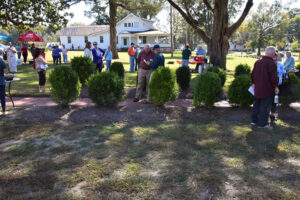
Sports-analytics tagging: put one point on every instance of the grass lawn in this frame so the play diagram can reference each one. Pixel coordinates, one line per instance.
(183, 158)
(28, 86)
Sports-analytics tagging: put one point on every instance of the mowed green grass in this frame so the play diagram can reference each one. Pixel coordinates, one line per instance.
(28, 85)
(182, 159)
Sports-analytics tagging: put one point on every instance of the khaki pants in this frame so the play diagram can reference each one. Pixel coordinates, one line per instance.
(143, 74)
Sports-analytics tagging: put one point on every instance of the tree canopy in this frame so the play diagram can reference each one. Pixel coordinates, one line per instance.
(23, 14)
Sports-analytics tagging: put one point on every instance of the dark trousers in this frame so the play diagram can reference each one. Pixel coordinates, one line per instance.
(54, 59)
(2, 97)
(261, 110)
(42, 78)
(99, 66)
(25, 57)
(58, 59)
(136, 65)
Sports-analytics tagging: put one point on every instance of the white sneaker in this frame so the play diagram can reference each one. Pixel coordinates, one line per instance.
(253, 124)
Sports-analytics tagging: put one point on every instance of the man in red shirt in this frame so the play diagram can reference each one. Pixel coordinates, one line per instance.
(131, 53)
(265, 84)
(144, 72)
(25, 53)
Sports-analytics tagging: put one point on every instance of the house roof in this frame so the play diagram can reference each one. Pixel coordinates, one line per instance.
(82, 30)
(152, 33)
(143, 20)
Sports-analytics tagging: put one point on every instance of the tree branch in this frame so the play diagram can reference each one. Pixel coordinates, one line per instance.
(208, 5)
(190, 20)
(237, 24)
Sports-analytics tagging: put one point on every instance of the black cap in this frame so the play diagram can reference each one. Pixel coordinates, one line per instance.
(132, 43)
(156, 47)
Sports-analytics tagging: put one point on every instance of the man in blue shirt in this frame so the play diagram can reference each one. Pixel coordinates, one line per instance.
(3, 70)
(58, 55)
(289, 62)
(158, 60)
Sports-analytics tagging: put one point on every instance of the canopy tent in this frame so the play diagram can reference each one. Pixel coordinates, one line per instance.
(30, 36)
(5, 37)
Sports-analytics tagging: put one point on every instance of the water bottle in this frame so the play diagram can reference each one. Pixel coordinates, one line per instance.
(276, 99)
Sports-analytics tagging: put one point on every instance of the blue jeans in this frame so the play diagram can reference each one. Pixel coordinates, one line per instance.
(2, 97)
(132, 59)
(65, 57)
(185, 63)
(108, 63)
(19, 55)
(58, 59)
(261, 110)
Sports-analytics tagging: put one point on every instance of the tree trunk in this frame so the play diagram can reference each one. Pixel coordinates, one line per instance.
(113, 30)
(218, 44)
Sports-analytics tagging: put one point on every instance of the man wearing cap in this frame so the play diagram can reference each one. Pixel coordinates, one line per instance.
(159, 59)
(144, 72)
(131, 53)
(97, 56)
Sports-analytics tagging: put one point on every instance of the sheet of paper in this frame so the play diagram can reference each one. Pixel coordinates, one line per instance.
(251, 90)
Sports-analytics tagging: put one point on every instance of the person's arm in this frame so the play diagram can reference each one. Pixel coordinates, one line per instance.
(94, 52)
(139, 58)
(154, 63)
(103, 52)
(273, 76)
(287, 64)
(5, 71)
(13, 49)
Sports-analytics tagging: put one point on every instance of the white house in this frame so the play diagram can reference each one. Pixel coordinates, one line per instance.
(129, 29)
(235, 46)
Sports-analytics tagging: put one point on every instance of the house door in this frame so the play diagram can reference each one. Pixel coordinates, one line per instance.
(125, 42)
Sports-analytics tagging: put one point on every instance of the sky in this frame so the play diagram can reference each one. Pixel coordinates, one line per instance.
(162, 17)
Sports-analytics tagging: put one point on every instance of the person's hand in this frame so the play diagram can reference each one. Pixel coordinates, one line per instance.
(148, 62)
(253, 86)
(276, 90)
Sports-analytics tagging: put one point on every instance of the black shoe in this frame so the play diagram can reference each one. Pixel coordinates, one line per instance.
(135, 100)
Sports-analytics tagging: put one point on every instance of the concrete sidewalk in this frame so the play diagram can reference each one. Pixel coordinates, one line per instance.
(46, 101)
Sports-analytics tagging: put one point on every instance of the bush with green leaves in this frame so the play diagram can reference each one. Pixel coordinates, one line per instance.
(221, 73)
(238, 93)
(183, 77)
(65, 85)
(163, 87)
(105, 88)
(208, 90)
(242, 69)
(294, 83)
(118, 68)
(84, 67)
(298, 73)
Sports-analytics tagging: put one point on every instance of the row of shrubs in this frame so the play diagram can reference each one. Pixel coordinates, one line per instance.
(105, 89)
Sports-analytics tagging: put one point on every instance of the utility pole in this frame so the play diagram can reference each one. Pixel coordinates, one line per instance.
(171, 30)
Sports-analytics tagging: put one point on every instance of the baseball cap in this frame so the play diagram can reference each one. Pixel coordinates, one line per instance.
(156, 47)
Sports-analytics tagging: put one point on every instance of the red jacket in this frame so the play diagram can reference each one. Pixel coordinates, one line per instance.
(264, 77)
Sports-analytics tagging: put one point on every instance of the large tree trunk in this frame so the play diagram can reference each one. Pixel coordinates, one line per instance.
(218, 43)
(113, 30)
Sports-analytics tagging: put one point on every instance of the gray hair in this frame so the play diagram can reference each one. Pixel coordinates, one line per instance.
(147, 45)
(270, 50)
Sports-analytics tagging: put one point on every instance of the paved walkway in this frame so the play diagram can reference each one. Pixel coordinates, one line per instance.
(46, 101)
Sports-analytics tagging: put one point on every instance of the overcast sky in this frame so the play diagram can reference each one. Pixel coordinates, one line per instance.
(162, 17)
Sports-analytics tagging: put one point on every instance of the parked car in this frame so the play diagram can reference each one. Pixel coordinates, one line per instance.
(50, 45)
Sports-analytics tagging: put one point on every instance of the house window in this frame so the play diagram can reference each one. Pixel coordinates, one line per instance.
(86, 39)
(101, 39)
(163, 40)
(125, 41)
(69, 40)
(125, 24)
(144, 39)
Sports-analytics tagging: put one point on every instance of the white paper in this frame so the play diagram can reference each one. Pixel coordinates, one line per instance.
(251, 90)
(145, 61)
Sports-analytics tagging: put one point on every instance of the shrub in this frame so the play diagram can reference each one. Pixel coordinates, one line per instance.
(208, 90)
(242, 69)
(183, 77)
(65, 85)
(118, 68)
(105, 88)
(83, 66)
(221, 73)
(298, 73)
(238, 93)
(294, 82)
(163, 87)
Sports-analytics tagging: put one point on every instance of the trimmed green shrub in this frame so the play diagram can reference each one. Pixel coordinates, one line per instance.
(163, 87)
(183, 77)
(242, 69)
(208, 90)
(294, 82)
(83, 66)
(65, 85)
(298, 73)
(118, 68)
(105, 88)
(221, 73)
(238, 93)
